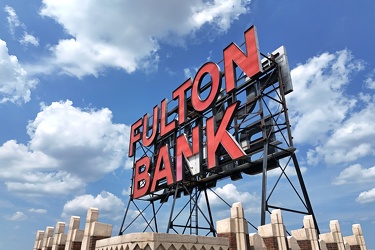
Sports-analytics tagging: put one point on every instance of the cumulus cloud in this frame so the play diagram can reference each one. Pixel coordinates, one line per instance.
(108, 204)
(355, 174)
(324, 116)
(366, 196)
(68, 148)
(128, 34)
(353, 138)
(17, 216)
(318, 102)
(15, 83)
(231, 194)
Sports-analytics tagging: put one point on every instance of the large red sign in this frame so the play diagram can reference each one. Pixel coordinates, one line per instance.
(149, 172)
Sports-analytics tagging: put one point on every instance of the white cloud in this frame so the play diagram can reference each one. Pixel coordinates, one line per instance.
(46, 183)
(128, 163)
(128, 34)
(370, 80)
(337, 125)
(17, 216)
(231, 194)
(318, 103)
(355, 174)
(366, 196)
(108, 204)
(12, 18)
(84, 142)
(15, 83)
(38, 210)
(187, 73)
(352, 139)
(29, 39)
(68, 147)
(290, 171)
(14, 23)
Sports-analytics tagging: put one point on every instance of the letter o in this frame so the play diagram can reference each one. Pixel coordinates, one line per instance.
(214, 71)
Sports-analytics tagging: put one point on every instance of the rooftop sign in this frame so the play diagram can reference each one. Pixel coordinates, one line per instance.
(201, 142)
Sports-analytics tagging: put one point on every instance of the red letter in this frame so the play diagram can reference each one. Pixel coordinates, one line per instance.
(223, 137)
(147, 141)
(135, 135)
(183, 148)
(180, 94)
(249, 63)
(207, 68)
(141, 180)
(164, 127)
(165, 172)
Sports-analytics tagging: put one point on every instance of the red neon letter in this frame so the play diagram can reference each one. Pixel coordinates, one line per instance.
(164, 127)
(147, 141)
(223, 137)
(249, 62)
(135, 135)
(165, 172)
(207, 68)
(180, 94)
(141, 180)
(183, 148)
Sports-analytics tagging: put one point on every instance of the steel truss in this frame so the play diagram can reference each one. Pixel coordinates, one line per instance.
(261, 126)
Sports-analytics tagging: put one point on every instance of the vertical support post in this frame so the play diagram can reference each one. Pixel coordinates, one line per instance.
(154, 218)
(209, 213)
(264, 185)
(170, 223)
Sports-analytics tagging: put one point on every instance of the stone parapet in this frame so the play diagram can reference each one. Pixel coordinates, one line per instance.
(355, 241)
(274, 234)
(75, 239)
(306, 237)
(59, 239)
(47, 239)
(235, 228)
(156, 241)
(233, 234)
(39, 240)
(72, 232)
(94, 230)
(332, 240)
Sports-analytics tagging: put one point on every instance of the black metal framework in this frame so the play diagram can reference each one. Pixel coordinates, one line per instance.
(261, 126)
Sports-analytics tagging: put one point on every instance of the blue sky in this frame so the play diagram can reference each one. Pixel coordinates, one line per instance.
(75, 75)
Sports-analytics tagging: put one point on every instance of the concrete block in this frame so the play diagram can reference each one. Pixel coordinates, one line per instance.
(225, 226)
(293, 243)
(77, 235)
(276, 217)
(236, 211)
(256, 242)
(60, 227)
(101, 229)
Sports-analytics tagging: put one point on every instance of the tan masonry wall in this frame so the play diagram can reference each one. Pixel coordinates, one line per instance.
(233, 235)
